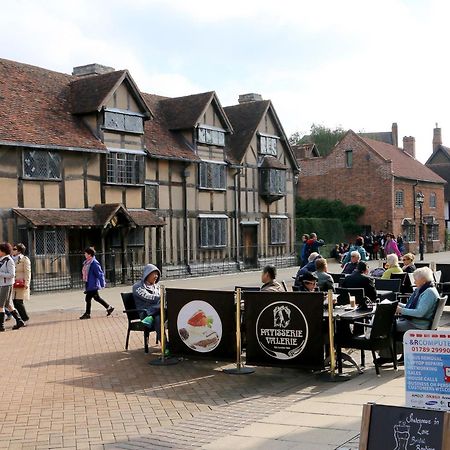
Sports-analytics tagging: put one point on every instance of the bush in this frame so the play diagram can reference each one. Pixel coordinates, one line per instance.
(330, 230)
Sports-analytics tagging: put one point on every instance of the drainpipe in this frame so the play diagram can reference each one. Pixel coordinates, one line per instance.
(414, 199)
(237, 213)
(184, 176)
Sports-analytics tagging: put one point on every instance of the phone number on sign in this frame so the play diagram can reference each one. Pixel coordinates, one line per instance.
(430, 349)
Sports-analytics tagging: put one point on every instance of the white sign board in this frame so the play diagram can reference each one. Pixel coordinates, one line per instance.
(427, 369)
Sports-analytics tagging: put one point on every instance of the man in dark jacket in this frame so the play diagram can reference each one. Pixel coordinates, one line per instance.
(310, 267)
(359, 279)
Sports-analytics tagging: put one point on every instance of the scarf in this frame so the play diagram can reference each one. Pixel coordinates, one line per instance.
(85, 269)
(414, 299)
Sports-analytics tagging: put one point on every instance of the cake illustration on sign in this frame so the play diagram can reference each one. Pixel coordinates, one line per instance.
(201, 330)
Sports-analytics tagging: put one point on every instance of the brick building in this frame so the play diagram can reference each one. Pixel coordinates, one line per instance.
(385, 180)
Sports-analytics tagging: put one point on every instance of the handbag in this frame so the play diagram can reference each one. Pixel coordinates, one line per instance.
(19, 284)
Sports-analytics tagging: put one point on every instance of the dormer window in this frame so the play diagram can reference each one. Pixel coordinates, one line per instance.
(211, 135)
(126, 121)
(268, 144)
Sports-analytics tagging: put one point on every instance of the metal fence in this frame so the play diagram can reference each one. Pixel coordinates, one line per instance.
(63, 271)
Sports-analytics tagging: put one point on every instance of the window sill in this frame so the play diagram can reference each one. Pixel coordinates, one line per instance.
(217, 247)
(40, 179)
(111, 183)
(201, 188)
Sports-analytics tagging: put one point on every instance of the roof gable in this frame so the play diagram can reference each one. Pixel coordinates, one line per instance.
(91, 93)
(441, 155)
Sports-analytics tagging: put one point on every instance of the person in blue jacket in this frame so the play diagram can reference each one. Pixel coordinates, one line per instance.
(94, 280)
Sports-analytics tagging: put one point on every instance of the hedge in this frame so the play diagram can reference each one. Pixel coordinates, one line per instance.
(330, 230)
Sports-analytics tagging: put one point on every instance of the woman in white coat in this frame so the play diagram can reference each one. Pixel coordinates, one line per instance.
(23, 273)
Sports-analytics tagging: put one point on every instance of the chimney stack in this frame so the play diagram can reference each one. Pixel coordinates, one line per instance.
(395, 134)
(91, 69)
(437, 138)
(409, 145)
(246, 98)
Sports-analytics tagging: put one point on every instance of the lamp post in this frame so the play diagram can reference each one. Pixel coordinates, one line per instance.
(419, 200)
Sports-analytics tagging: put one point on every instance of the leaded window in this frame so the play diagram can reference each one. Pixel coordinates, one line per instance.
(41, 164)
(124, 168)
(433, 200)
(211, 136)
(120, 121)
(213, 232)
(151, 195)
(399, 199)
(212, 175)
(50, 242)
(433, 232)
(268, 145)
(278, 230)
(409, 232)
(136, 237)
(273, 183)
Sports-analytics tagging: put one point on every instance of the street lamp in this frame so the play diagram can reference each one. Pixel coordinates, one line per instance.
(420, 198)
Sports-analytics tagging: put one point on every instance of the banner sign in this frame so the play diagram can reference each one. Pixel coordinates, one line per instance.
(284, 329)
(201, 322)
(427, 368)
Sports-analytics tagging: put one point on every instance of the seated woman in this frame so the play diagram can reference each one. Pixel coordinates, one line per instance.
(418, 312)
(146, 295)
(408, 263)
(391, 266)
(324, 280)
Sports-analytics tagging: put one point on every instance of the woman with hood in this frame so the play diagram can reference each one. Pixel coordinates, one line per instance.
(94, 279)
(147, 298)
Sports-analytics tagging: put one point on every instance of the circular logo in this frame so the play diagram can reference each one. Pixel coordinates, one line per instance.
(282, 330)
(199, 326)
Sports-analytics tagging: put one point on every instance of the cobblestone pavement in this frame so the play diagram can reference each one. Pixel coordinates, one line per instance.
(70, 384)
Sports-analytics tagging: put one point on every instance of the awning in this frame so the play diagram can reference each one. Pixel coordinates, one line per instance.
(99, 216)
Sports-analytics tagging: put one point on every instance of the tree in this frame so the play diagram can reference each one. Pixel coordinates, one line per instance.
(325, 138)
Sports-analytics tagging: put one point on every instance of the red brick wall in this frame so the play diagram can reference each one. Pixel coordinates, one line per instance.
(368, 182)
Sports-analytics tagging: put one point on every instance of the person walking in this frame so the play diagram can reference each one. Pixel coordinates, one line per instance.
(21, 287)
(7, 275)
(94, 279)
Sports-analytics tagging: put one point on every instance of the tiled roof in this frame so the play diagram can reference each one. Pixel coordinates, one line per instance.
(38, 109)
(245, 119)
(382, 136)
(443, 170)
(182, 113)
(404, 165)
(272, 163)
(159, 140)
(98, 216)
(307, 150)
(87, 94)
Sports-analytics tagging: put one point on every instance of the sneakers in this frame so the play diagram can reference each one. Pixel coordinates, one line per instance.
(148, 321)
(85, 316)
(109, 311)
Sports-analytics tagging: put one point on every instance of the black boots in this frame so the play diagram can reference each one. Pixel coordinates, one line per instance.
(19, 322)
(2, 321)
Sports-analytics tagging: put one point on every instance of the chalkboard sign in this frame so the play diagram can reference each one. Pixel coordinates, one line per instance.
(399, 428)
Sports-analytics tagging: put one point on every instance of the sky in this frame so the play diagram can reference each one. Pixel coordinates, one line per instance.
(355, 64)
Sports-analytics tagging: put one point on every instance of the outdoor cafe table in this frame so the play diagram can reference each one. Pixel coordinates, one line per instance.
(349, 315)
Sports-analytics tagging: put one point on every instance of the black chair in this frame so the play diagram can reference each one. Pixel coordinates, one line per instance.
(405, 282)
(381, 336)
(392, 285)
(134, 320)
(336, 277)
(345, 293)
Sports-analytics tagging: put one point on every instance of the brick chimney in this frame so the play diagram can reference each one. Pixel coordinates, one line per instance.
(246, 98)
(91, 69)
(409, 145)
(395, 134)
(437, 138)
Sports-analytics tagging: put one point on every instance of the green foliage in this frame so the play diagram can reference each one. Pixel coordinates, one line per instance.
(325, 138)
(348, 215)
(330, 230)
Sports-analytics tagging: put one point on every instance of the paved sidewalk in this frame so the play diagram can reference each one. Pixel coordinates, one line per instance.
(70, 384)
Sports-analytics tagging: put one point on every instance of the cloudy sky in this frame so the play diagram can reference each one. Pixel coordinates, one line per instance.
(351, 63)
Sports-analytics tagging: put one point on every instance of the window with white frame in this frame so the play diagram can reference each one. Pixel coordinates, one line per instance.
(212, 175)
(124, 167)
(41, 164)
(399, 199)
(126, 121)
(50, 242)
(211, 135)
(433, 200)
(151, 195)
(268, 144)
(278, 229)
(213, 230)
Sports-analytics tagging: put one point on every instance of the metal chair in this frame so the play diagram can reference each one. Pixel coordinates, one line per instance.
(134, 320)
(381, 336)
(438, 313)
(405, 283)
